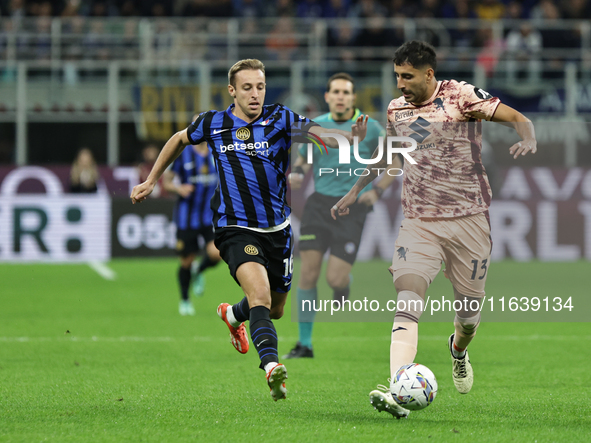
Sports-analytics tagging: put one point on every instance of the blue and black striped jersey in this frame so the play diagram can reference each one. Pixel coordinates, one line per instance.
(194, 212)
(251, 160)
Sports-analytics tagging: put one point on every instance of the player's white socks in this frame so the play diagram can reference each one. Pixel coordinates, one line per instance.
(230, 316)
(405, 331)
(465, 332)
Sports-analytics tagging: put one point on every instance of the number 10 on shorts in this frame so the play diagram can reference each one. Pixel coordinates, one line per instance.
(288, 263)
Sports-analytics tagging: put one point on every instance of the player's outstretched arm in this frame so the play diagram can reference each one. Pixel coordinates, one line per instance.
(171, 150)
(358, 129)
(369, 175)
(523, 126)
(371, 197)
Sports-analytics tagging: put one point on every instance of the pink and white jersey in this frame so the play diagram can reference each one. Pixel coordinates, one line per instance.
(449, 179)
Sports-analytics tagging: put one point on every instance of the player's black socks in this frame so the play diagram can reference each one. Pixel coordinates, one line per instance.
(263, 335)
(184, 282)
(241, 310)
(341, 294)
(206, 262)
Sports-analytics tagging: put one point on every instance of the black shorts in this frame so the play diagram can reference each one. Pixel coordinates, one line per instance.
(187, 240)
(273, 250)
(320, 232)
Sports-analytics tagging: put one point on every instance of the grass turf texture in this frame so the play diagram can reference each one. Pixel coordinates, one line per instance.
(86, 359)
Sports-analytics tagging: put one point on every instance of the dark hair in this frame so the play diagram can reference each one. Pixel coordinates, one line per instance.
(417, 54)
(340, 76)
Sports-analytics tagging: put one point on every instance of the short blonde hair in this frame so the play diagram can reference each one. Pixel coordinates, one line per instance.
(248, 63)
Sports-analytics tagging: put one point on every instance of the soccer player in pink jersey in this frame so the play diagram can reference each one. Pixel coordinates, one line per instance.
(445, 199)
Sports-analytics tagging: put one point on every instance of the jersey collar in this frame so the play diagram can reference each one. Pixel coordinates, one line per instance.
(356, 115)
(430, 99)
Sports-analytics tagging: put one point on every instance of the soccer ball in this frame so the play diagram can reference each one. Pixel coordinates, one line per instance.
(414, 387)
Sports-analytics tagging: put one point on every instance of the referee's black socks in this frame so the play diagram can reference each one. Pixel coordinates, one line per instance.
(263, 335)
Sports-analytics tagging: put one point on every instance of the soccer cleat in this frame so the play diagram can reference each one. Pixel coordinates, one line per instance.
(186, 308)
(300, 351)
(237, 335)
(276, 377)
(198, 285)
(462, 372)
(381, 399)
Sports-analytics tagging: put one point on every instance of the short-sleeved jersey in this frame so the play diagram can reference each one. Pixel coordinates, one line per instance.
(194, 211)
(251, 161)
(338, 184)
(449, 179)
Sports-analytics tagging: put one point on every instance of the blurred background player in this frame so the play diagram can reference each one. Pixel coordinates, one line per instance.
(319, 232)
(445, 198)
(195, 185)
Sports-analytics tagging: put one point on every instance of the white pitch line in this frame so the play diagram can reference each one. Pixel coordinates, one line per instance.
(102, 269)
(283, 339)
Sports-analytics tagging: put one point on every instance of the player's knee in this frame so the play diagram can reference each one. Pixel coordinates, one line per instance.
(309, 278)
(467, 327)
(409, 307)
(276, 312)
(337, 281)
(411, 282)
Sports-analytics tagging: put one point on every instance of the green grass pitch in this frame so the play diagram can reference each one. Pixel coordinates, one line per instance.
(84, 359)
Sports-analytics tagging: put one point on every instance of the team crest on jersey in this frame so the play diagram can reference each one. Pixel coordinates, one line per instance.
(243, 133)
(251, 250)
(204, 170)
(438, 102)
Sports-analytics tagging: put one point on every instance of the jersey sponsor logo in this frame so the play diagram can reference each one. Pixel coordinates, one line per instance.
(217, 131)
(250, 148)
(420, 133)
(403, 115)
(205, 179)
(481, 93)
(251, 250)
(242, 133)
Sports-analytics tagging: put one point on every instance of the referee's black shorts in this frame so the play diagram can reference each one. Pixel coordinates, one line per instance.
(320, 232)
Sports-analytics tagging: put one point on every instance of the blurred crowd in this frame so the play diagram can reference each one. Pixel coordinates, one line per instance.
(315, 9)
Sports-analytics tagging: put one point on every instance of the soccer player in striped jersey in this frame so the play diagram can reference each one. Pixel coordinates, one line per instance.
(250, 143)
(193, 217)
(445, 199)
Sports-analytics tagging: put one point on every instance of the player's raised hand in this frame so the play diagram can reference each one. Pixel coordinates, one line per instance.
(342, 206)
(359, 128)
(523, 147)
(140, 192)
